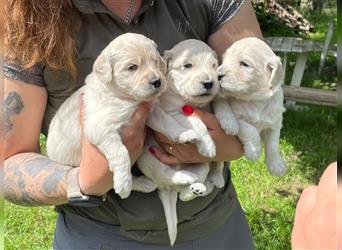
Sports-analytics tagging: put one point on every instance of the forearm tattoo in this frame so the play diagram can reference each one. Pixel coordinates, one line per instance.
(32, 180)
(13, 105)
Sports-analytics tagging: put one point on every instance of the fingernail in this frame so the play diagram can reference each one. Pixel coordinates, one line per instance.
(187, 109)
(152, 150)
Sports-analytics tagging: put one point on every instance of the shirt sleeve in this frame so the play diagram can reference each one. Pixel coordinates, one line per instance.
(34, 75)
(222, 11)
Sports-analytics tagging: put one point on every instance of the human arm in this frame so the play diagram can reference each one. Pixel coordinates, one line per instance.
(32, 179)
(243, 24)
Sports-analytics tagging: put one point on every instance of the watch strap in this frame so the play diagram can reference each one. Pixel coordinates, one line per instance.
(72, 184)
(74, 194)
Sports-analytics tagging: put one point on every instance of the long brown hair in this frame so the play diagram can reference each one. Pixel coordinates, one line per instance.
(42, 31)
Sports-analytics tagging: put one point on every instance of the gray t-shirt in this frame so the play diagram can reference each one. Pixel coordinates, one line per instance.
(167, 22)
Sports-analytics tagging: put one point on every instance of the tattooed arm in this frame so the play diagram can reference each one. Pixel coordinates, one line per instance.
(30, 178)
(34, 180)
(24, 110)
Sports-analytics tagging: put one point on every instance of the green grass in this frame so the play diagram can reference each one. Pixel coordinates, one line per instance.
(308, 144)
(28, 228)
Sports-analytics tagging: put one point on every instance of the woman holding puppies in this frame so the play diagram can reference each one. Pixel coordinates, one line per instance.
(51, 48)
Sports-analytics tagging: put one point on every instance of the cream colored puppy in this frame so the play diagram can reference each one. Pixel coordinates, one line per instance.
(191, 79)
(251, 101)
(127, 72)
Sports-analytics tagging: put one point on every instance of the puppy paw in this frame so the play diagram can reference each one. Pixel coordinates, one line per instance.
(183, 178)
(231, 127)
(198, 189)
(252, 152)
(188, 136)
(217, 180)
(123, 192)
(276, 167)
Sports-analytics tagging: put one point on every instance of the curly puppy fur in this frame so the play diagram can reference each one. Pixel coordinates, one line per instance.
(250, 102)
(127, 72)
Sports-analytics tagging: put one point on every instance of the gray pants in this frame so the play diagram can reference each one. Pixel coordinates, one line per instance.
(75, 232)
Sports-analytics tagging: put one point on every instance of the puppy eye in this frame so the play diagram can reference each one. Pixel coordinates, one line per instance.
(214, 66)
(242, 63)
(188, 66)
(132, 67)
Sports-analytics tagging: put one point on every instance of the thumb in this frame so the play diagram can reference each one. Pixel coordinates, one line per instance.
(207, 118)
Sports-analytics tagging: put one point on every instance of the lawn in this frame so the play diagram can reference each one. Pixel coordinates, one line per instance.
(308, 144)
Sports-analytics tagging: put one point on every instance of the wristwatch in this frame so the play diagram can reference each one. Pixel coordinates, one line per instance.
(74, 194)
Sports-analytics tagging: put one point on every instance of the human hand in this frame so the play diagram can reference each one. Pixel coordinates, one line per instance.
(227, 147)
(315, 220)
(94, 176)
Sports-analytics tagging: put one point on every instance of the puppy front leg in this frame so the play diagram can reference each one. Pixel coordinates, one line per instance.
(163, 123)
(250, 138)
(274, 161)
(119, 163)
(225, 116)
(205, 145)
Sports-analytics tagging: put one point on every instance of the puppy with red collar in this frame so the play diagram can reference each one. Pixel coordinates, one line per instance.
(192, 79)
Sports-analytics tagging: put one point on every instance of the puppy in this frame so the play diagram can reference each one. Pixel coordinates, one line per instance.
(127, 72)
(251, 100)
(191, 79)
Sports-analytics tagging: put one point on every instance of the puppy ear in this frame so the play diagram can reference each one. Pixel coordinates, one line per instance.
(103, 69)
(277, 74)
(167, 56)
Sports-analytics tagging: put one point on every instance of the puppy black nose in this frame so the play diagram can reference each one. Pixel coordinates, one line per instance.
(208, 84)
(156, 83)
